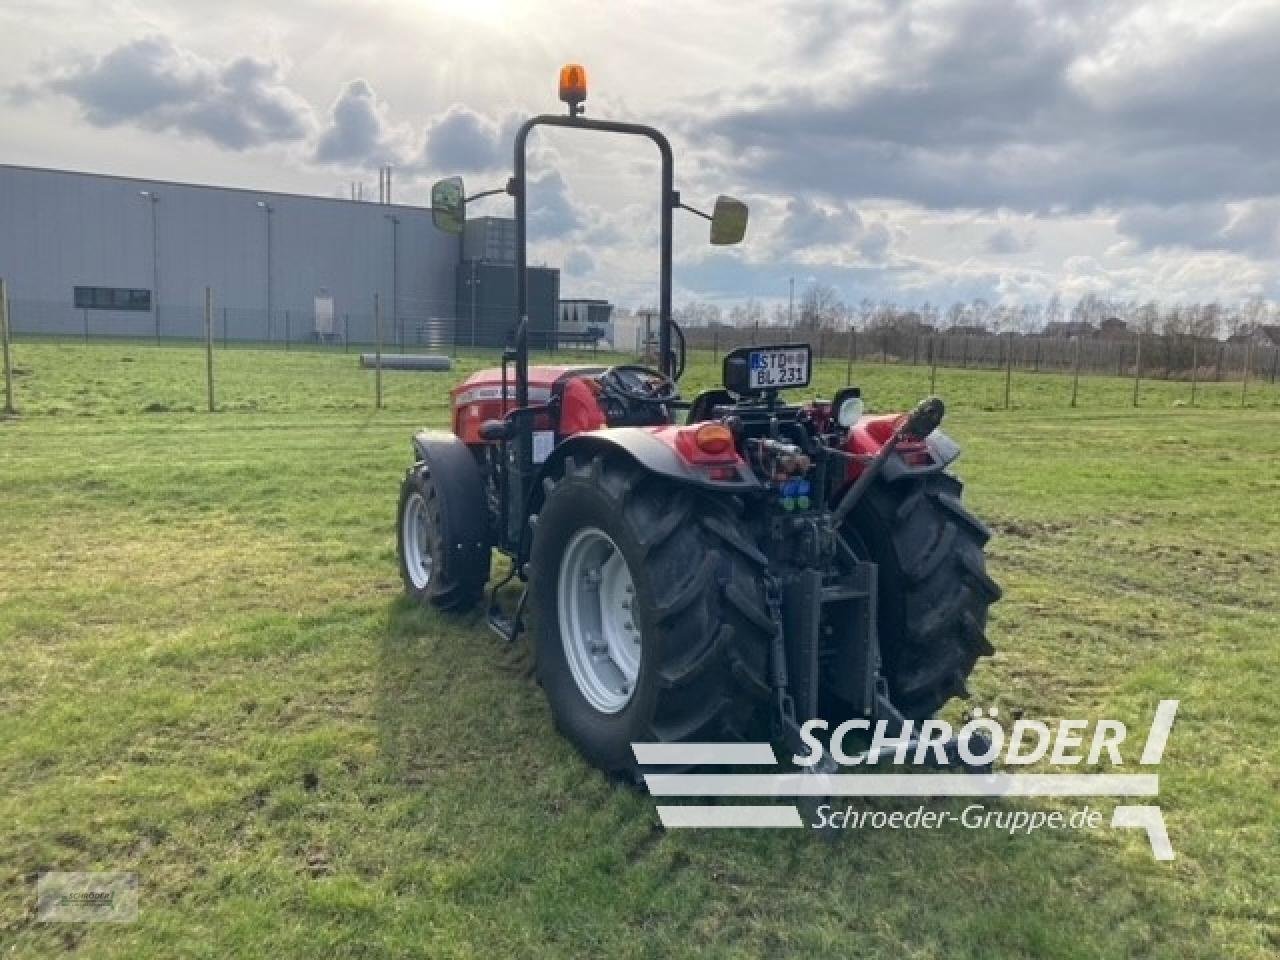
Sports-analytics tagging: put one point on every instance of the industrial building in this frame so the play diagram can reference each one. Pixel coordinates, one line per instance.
(586, 321)
(486, 287)
(105, 255)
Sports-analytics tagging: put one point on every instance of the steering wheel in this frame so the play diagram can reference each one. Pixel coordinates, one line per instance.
(634, 383)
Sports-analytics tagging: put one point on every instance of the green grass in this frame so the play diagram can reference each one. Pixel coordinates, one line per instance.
(208, 676)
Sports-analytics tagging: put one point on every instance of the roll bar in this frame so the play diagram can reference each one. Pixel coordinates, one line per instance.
(517, 188)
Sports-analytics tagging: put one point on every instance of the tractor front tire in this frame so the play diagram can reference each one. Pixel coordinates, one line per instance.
(934, 587)
(649, 618)
(432, 573)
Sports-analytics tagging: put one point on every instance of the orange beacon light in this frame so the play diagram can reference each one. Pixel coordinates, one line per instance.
(573, 86)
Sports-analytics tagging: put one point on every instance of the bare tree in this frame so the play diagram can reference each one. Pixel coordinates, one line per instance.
(820, 307)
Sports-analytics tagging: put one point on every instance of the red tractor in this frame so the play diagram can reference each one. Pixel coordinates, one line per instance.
(707, 570)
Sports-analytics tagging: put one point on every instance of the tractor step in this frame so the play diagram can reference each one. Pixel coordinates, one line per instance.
(507, 627)
(841, 592)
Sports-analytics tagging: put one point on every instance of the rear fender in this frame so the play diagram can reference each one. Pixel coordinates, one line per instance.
(912, 458)
(650, 450)
(464, 512)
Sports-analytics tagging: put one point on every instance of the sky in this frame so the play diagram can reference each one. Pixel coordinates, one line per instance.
(909, 151)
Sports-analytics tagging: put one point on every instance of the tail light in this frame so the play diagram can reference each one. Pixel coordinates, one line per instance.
(706, 444)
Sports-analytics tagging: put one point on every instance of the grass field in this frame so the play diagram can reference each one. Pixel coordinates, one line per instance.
(208, 676)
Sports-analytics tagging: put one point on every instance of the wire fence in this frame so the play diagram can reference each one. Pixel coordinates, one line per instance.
(1189, 368)
(406, 325)
(1155, 357)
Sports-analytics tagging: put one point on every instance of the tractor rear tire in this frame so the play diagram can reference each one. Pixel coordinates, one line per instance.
(695, 628)
(934, 588)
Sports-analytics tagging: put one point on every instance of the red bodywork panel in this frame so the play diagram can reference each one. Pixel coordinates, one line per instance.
(479, 397)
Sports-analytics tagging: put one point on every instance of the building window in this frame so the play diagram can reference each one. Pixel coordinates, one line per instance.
(112, 298)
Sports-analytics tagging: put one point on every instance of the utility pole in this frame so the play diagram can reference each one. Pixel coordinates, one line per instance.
(153, 198)
(791, 302)
(268, 210)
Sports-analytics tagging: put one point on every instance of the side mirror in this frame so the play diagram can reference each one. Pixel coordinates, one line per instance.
(448, 205)
(728, 221)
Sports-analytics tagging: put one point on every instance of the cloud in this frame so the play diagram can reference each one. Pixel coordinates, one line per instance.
(154, 84)
(579, 263)
(1248, 226)
(552, 214)
(463, 141)
(1004, 241)
(359, 131)
(983, 103)
(809, 224)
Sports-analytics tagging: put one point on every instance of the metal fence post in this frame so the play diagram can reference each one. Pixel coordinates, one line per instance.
(1195, 367)
(1248, 362)
(848, 366)
(377, 336)
(1137, 370)
(1008, 369)
(1075, 380)
(224, 328)
(286, 330)
(8, 358)
(346, 332)
(1275, 362)
(933, 366)
(85, 314)
(208, 342)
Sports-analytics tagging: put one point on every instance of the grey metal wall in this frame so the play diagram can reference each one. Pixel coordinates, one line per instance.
(59, 230)
(490, 320)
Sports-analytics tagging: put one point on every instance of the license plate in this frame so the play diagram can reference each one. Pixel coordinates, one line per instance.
(779, 367)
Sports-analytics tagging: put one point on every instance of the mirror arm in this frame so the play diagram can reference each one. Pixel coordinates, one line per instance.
(486, 193)
(684, 206)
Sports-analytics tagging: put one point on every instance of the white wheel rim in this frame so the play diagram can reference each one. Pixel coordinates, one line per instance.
(417, 554)
(602, 642)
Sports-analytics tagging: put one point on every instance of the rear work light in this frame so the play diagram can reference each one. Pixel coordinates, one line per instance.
(713, 438)
(706, 444)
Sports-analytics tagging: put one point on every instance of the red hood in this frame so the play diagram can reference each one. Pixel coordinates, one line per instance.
(539, 376)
